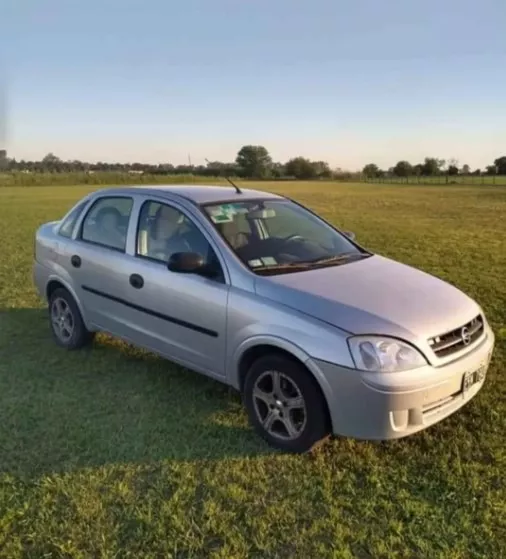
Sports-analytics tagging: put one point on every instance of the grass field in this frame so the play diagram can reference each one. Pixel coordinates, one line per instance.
(115, 453)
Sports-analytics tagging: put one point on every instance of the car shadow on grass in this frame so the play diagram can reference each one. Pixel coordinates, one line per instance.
(110, 403)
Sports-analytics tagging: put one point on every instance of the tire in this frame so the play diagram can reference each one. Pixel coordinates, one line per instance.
(76, 335)
(309, 423)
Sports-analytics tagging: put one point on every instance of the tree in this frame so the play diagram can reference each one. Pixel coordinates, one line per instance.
(491, 170)
(254, 161)
(300, 168)
(219, 169)
(466, 170)
(403, 169)
(453, 163)
(50, 158)
(453, 170)
(371, 171)
(431, 166)
(51, 163)
(500, 164)
(477, 172)
(278, 170)
(322, 169)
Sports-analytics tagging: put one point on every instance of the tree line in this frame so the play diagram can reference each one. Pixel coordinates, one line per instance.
(432, 167)
(251, 162)
(254, 162)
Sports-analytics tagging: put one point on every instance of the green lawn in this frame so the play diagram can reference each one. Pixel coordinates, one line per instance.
(115, 453)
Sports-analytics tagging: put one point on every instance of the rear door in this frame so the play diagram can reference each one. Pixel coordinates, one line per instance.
(182, 316)
(97, 262)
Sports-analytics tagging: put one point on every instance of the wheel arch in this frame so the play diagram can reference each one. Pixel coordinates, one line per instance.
(55, 283)
(260, 346)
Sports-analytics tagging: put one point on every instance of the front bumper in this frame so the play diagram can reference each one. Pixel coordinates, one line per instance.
(381, 406)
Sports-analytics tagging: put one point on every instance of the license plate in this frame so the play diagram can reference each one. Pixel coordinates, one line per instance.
(473, 377)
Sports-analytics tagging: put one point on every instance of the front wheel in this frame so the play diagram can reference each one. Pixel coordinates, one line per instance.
(285, 404)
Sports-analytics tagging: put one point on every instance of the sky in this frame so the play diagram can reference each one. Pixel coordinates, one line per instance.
(345, 81)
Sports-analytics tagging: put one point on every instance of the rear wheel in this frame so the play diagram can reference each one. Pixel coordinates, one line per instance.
(67, 324)
(285, 404)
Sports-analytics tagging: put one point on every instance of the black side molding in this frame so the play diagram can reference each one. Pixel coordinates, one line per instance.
(156, 314)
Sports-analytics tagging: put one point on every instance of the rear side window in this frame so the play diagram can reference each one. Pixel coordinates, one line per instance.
(106, 223)
(68, 224)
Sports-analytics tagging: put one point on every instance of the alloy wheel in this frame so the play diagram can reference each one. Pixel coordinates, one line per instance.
(279, 405)
(62, 319)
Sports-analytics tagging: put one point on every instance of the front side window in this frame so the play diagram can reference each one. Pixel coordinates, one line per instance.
(69, 222)
(281, 236)
(106, 223)
(164, 230)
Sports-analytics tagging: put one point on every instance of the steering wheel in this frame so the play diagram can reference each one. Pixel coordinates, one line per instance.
(294, 237)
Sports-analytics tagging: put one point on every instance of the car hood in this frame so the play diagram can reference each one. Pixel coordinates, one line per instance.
(375, 295)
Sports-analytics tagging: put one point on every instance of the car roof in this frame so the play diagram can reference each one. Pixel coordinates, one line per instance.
(198, 194)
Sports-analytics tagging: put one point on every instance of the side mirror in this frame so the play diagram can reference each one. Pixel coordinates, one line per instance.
(186, 263)
(350, 235)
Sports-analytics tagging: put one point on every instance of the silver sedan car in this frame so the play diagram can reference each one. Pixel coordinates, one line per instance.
(319, 335)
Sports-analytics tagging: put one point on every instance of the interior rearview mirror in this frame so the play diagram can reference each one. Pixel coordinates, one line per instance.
(186, 262)
(265, 213)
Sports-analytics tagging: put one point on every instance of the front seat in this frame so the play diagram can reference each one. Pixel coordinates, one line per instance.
(235, 237)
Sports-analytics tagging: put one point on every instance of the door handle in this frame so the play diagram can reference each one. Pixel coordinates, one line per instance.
(75, 261)
(136, 281)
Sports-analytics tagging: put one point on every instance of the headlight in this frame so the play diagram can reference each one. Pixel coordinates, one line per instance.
(382, 354)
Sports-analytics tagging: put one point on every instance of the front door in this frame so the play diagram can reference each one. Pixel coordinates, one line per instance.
(182, 316)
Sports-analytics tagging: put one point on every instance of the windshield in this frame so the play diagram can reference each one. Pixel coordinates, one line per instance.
(279, 236)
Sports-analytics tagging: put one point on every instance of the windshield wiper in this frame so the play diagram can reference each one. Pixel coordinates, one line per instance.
(308, 264)
(334, 259)
(287, 266)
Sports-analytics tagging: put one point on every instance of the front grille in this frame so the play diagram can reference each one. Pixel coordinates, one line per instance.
(458, 339)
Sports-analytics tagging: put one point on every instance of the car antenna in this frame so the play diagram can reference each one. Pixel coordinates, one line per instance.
(237, 189)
